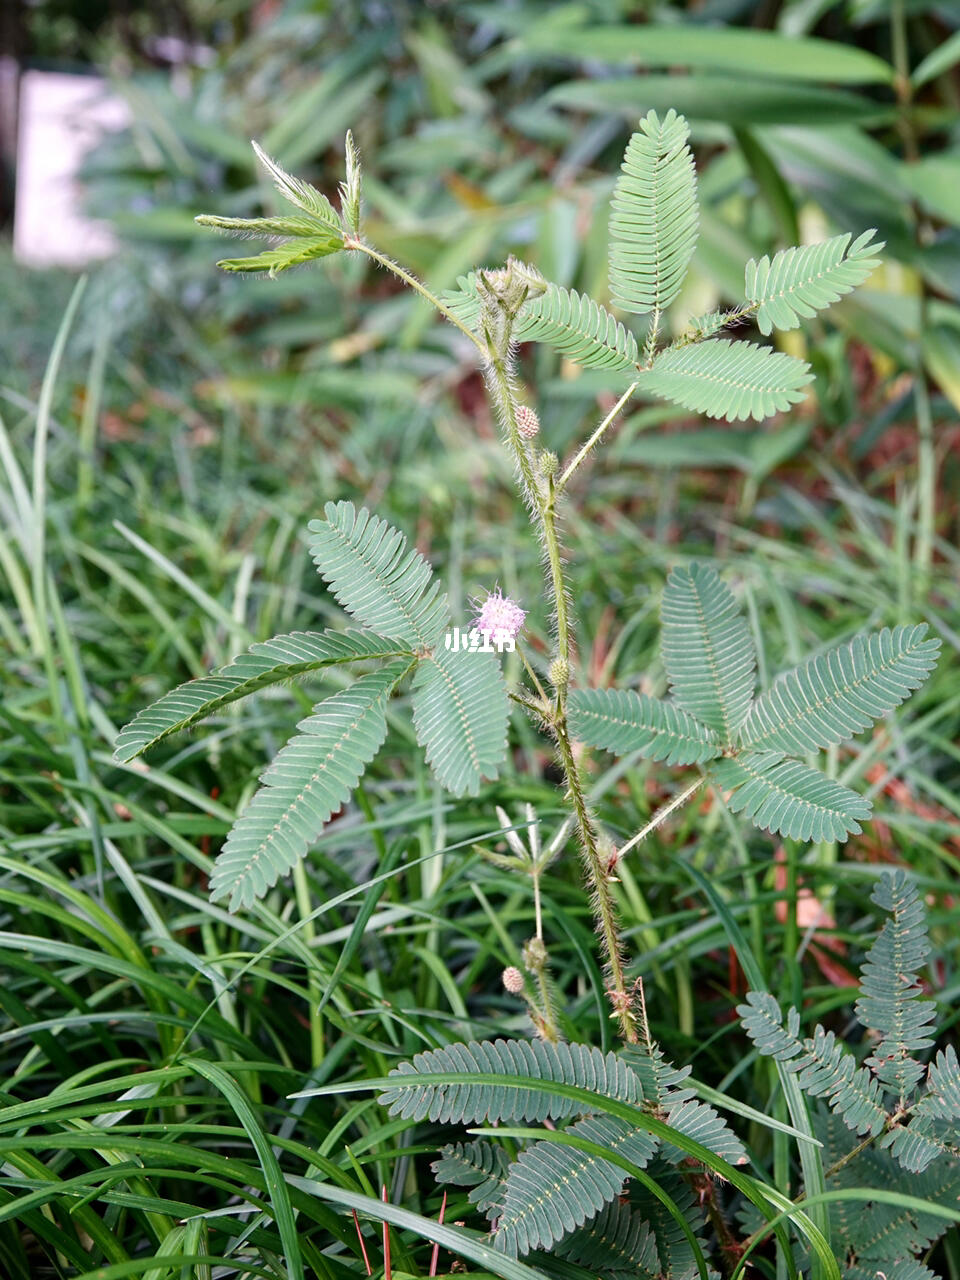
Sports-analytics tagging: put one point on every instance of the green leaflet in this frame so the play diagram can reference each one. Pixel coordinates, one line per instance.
(653, 216)
(731, 380)
(375, 577)
(295, 254)
(616, 1242)
(788, 798)
(300, 193)
(707, 649)
(839, 693)
(309, 780)
(467, 1103)
(802, 281)
(480, 1165)
(622, 721)
(267, 663)
(461, 713)
(551, 1189)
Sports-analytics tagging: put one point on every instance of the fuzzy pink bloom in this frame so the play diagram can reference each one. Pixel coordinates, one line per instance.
(500, 617)
(528, 424)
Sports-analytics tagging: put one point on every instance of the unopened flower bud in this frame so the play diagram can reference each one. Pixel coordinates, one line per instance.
(534, 955)
(528, 424)
(549, 463)
(512, 980)
(559, 673)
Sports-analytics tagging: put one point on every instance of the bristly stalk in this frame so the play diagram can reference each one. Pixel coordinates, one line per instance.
(542, 500)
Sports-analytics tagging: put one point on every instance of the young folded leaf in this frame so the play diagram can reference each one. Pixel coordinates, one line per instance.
(653, 216)
(840, 693)
(300, 193)
(309, 780)
(805, 280)
(622, 721)
(729, 380)
(707, 649)
(294, 254)
(268, 663)
(375, 577)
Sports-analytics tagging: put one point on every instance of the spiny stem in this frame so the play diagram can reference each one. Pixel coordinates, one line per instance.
(415, 284)
(594, 440)
(661, 816)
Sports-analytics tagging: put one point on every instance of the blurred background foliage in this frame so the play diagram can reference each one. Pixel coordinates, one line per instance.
(159, 478)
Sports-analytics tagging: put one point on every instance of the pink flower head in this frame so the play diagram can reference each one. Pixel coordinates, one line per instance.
(500, 618)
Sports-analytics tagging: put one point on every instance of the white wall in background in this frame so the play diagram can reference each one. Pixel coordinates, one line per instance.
(61, 117)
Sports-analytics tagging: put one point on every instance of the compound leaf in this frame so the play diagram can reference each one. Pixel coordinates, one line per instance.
(579, 329)
(300, 193)
(622, 721)
(310, 779)
(707, 649)
(653, 216)
(263, 664)
(729, 380)
(802, 281)
(788, 798)
(296, 253)
(821, 1063)
(466, 1102)
(839, 693)
(553, 1188)
(460, 711)
(890, 988)
(375, 577)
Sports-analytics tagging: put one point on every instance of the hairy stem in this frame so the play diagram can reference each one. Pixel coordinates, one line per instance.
(594, 440)
(661, 816)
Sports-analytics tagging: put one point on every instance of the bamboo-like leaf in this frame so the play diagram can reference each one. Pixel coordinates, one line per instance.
(623, 721)
(839, 693)
(788, 798)
(731, 380)
(460, 711)
(375, 577)
(310, 779)
(653, 216)
(802, 281)
(551, 1189)
(707, 649)
(268, 663)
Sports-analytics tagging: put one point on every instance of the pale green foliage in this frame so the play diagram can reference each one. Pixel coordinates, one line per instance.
(269, 663)
(460, 701)
(805, 280)
(731, 380)
(622, 721)
(707, 649)
(918, 1129)
(311, 777)
(295, 254)
(299, 193)
(836, 694)
(709, 658)
(653, 216)
(350, 187)
(579, 329)
(375, 577)
(460, 712)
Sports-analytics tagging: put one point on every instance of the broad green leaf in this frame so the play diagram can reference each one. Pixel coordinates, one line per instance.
(707, 649)
(460, 711)
(653, 215)
(729, 380)
(623, 721)
(790, 799)
(841, 692)
(375, 577)
(276, 660)
(309, 780)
